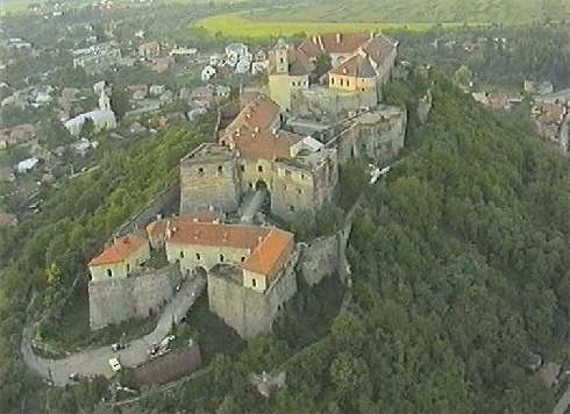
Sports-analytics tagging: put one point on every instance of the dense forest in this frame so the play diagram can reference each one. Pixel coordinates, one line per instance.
(538, 52)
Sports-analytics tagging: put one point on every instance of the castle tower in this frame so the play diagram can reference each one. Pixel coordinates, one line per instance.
(209, 180)
(104, 101)
(281, 58)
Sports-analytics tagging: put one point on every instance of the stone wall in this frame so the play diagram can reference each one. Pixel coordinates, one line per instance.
(249, 312)
(319, 258)
(327, 104)
(116, 300)
(378, 135)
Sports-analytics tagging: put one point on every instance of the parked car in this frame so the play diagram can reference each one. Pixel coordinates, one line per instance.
(117, 346)
(115, 364)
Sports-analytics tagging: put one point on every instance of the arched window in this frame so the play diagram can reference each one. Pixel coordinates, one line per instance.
(109, 273)
(222, 258)
(181, 254)
(260, 168)
(198, 257)
(200, 171)
(220, 169)
(253, 282)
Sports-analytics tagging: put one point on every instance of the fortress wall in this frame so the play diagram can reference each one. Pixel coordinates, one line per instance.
(319, 258)
(116, 300)
(324, 103)
(249, 312)
(378, 135)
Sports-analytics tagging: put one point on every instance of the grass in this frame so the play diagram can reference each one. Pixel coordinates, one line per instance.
(432, 11)
(236, 25)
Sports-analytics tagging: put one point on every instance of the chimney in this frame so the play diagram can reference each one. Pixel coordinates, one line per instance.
(320, 41)
(168, 232)
(338, 37)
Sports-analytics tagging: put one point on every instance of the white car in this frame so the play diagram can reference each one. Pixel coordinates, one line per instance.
(115, 364)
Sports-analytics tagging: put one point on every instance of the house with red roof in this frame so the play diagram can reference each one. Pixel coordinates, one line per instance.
(122, 258)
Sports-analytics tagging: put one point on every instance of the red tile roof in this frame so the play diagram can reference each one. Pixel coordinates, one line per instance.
(356, 66)
(211, 234)
(271, 253)
(158, 228)
(250, 132)
(269, 247)
(120, 250)
(333, 43)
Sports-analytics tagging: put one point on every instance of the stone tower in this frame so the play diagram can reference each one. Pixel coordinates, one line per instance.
(209, 180)
(288, 71)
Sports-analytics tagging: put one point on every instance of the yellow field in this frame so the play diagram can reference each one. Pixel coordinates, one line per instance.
(236, 25)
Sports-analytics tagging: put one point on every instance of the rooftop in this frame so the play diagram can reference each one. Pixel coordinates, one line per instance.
(271, 253)
(357, 66)
(207, 150)
(121, 249)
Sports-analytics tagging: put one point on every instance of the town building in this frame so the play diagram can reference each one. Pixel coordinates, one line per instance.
(103, 118)
(97, 58)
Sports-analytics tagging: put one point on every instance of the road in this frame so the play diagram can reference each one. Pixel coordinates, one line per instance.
(96, 361)
(252, 206)
(563, 403)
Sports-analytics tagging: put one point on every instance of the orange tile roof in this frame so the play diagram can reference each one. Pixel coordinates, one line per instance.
(158, 227)
(250, 132)
(212, 234)
(269, 247)
(260, 113)
(120, 250)
(271, 253)
(266, 145)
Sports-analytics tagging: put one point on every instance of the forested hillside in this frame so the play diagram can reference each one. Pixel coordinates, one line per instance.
(44, 255)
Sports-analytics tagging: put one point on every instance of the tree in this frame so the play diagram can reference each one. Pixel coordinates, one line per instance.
(323, 64)
(119, 101)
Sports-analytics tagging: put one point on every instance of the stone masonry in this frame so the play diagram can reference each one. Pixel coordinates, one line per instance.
(137, 296)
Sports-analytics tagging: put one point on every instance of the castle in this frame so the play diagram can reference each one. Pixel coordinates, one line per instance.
(288, 144)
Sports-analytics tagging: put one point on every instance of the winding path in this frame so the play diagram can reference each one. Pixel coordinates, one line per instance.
(96, 361)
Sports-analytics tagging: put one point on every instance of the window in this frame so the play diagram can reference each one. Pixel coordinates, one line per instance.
(291, 209)
(302, 176)
(332, 81)
(341, 82)
(243, 258)
(220, 169)
(347, 82)
(181, 254)
(242, 168)
(128, 267)
(253, 282)
(260, 168)
(222, 258)
(200, 171)
(299, 191)
(284, 186)
(281, 60)
(109, 272)
(198, 256)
